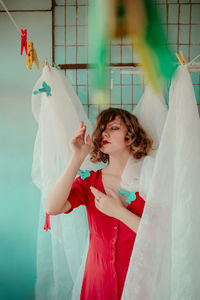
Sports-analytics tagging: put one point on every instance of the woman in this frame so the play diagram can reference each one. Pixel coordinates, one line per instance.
(112, 222)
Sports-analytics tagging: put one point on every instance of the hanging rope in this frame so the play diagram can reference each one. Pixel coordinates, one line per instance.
(2, 3)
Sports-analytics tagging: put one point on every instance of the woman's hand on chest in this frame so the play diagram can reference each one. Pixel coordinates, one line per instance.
(110, 203)
(112, 182)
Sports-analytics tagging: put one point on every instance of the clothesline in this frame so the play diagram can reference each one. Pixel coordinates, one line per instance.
(136, 68)
(192, 65)
(195, 67)
(18, 29)
(194, 59)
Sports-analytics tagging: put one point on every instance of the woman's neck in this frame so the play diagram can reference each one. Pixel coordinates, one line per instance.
(117, 163)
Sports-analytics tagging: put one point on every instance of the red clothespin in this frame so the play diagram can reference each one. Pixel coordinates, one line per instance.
(23, 40)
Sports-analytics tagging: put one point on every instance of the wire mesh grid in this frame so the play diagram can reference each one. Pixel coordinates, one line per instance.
(180, 20)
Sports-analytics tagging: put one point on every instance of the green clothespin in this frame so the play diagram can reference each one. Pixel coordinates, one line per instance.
(56, 66)
(84, 174)
(131, 195)
(45, 89)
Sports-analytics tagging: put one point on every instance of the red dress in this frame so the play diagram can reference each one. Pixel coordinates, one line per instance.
(111, 242)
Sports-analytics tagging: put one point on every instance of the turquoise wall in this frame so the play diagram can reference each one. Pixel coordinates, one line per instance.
(19, 198)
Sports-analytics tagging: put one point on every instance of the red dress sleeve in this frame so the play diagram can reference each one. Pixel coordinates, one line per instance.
(78, 194)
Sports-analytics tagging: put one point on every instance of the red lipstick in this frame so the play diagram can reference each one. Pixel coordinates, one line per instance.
(105, 142)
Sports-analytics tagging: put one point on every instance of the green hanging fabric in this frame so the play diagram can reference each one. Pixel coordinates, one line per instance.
(140, 21)
(98, 46)
(153, 48)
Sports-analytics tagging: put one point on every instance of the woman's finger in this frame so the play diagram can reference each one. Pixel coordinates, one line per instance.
(81, 130)
(96, 192)
(112, 193)
(93, 190)
(88, 140)
(78, 136)
(97, 204)
(97, 200)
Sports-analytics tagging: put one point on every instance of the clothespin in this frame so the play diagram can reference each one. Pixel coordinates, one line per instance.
(31, 56)
(56, 66)
(131, 195)
(182, 59)
(45, 89)
(23, 41)
(83, 174)
(35, 58)
(46, 63)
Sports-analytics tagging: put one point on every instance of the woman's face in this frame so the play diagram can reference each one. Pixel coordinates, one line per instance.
(113, 137)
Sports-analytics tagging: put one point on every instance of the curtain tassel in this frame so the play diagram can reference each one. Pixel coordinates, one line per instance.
(47, 222)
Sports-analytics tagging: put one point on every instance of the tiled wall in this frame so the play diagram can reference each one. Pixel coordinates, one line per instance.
(181, 21)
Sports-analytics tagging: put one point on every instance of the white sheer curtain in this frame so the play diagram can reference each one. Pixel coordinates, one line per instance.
(165, 262)
(60, 251)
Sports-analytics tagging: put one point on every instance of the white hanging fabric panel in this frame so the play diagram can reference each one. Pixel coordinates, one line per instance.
(151, 112)
(165, 262)
(60, 251)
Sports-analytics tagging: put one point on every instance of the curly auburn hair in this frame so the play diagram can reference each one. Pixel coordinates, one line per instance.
(140, 144)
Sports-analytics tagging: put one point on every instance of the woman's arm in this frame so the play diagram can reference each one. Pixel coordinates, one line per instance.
(57, 199)
(129, 218)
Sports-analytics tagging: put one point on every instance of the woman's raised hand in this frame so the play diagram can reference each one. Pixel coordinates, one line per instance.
(79, 146)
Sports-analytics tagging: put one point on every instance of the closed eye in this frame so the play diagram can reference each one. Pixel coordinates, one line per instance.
(114, 128)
